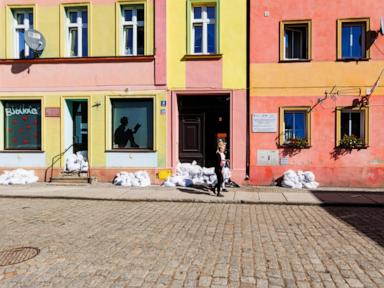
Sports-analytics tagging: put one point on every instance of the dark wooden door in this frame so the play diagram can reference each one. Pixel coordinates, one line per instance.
(191, 139)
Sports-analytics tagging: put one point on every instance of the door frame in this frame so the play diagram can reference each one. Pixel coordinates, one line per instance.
(173, 120)
(62, 125)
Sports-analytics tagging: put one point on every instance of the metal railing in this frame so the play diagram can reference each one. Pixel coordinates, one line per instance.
(53, 162)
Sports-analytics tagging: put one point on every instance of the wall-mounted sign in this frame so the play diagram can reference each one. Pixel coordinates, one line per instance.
(264, 122)
(284, 161)
(163, 103)
(52, 112)
(267, 157)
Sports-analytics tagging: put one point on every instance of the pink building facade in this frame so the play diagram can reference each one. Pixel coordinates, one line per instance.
(311, 65)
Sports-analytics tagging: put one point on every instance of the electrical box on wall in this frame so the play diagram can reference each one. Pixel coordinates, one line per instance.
(267, 157)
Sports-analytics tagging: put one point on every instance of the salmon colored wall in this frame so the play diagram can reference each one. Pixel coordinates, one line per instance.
(265, 30)
(204, 74)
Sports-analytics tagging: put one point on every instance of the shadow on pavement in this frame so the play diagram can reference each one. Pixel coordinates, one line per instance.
(367, 220)
(200, 190)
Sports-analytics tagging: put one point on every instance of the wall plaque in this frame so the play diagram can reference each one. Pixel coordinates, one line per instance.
(52, 112)
(264, 122)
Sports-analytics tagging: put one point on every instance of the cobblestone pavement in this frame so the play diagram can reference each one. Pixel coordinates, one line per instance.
(139, 244)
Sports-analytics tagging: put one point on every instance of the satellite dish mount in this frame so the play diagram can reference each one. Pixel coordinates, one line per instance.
(382, 25)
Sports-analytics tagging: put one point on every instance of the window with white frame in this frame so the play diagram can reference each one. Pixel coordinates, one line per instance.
(22, 21)
(203, 36)
(132, 30)
(77, 31)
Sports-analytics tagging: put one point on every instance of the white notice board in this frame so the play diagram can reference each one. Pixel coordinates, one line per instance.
(264, 122)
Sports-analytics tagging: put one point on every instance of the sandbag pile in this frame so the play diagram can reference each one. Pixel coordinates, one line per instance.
(77, 162)
(137, 179)
(188, 174)
(299, 180)
(18, 176)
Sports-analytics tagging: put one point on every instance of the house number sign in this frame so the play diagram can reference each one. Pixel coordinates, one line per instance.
(264, 122)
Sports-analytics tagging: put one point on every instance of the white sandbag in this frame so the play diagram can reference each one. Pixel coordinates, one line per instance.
(77, 162)
(311, 185)
(208, 171)
(18, 176)
(137, 179)
(299, 179)
(309, 176)
(226, 174)
(168, 183)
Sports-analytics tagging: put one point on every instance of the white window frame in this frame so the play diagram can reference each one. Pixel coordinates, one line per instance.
(79, 25)
(288, 27)
(25, 26)
(134, 24)
(203, 22)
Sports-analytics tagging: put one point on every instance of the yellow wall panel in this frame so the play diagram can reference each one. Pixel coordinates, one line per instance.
(176, 43)
(49, 21)
(313, 78)
(233, 41)
(103, 30)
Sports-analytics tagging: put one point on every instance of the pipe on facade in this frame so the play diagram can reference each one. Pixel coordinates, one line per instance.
(248, 27)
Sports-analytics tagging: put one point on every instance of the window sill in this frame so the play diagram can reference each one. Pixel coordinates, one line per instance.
(288, 146)
(22, 151)
(353, 59)
(192, 57)
(295, 60)
(354, 148)
(131, 151)
(148, 58)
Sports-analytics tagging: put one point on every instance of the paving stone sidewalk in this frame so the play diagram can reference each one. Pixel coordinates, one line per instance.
(244, 194)
(157, 244)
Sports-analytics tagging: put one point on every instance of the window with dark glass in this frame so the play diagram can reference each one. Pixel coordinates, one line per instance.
(295, 41)
(295, 125)
(132, 123)
(77, 31)
(22, 125)
(132, 29)
(353, 40)
(352, 123)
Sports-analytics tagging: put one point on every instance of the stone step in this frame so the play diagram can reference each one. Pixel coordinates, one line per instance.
(73, 179)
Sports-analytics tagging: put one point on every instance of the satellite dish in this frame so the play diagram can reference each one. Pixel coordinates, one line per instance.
(382, 25)
(35, 40)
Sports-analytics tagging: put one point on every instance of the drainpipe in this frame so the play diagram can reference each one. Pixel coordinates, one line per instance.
(248, 10)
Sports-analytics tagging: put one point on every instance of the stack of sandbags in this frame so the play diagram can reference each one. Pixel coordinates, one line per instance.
(188, 174)
(137, 179)
(299, 180)
(77, 162)
(18, 176)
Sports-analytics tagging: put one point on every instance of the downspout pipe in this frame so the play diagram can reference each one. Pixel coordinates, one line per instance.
(248, 37)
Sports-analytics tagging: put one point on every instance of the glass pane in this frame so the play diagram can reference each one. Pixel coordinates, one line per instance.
(211, 12)
(140, 14)
(22, 120)
(73, 40)
(20, 18)
(288, 44)
(132, 124)
(128, 15)
(140, 40)
(197, 12)
(299, 128)
(356, 124)
(30, 17)
(288, 123)
(211, 38)
(84, 41)
(21, 52)
(84, 17)
(72, 17)
(357, 43)
(198, 33)
(128, 38)
(344, 124)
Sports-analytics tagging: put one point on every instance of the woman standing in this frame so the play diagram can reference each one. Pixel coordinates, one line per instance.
(219, 164)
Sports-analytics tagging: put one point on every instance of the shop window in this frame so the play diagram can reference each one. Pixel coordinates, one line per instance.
(294, 125)
(352, 39)
(76, 31)
(22, 21)
(352, 125)
(132, 30)
(132, 123)
(22, 125)
(204, 36)
(295, 41)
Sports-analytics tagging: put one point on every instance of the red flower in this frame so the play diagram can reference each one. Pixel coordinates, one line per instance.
(25, 141)
(14, 121)
(21, 130)
(28, 126)
(14, 140)
(25, 118)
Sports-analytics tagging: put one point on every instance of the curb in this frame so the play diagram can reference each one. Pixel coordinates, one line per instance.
(293, 203)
